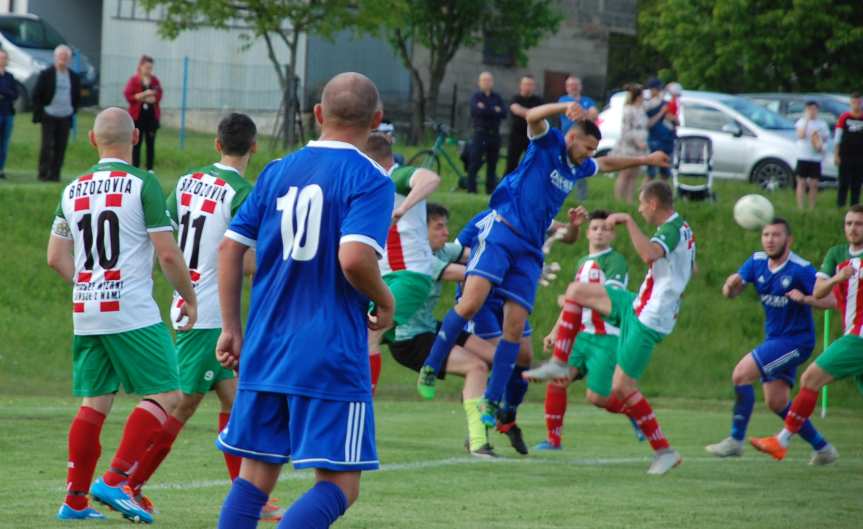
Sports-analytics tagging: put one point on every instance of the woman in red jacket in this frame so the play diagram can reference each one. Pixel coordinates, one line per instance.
(143, 92)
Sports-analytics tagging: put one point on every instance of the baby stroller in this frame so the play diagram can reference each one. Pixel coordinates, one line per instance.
(692, 168)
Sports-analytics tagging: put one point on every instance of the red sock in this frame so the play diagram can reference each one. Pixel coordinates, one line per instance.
(555, 409)
(570, 323)
(157, 453)
(801, 409)
(614, 405)
(231, 461)
(375, 362)
(143, 424)
(642, 414)
(84, 452)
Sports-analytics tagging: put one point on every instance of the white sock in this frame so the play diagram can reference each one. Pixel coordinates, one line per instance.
(784, 437)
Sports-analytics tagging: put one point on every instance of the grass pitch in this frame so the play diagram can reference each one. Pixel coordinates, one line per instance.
(428, 481)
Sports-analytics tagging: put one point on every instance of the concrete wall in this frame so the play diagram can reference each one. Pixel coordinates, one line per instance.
(79, 21)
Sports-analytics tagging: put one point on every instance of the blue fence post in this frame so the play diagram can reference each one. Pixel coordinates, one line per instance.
(183, 101)
(76, 67)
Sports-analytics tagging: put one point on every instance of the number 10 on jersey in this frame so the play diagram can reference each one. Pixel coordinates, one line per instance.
(303, 206)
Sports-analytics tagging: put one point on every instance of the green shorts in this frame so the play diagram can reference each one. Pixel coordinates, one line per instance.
(143, 361)
(595, 355)
(637, 340)
(196, 354)
(411, 291)
(843, 359)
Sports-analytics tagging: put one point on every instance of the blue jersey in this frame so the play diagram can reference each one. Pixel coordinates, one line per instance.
(782, 317)
(530, 196)
(583, 101)
(306, 328)
(468, 235)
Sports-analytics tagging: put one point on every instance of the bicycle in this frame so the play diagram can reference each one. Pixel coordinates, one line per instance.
(431, 158)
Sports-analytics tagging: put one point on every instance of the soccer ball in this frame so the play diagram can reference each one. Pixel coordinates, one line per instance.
(752, 212)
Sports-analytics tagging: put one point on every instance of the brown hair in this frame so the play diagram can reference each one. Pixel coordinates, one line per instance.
(633, 92)
(659, 190)
(856, 208)
(145, 58)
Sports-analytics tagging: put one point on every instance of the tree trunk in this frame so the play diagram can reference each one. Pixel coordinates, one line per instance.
(291, 95)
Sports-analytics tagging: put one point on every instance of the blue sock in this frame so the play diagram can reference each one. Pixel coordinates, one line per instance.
(501, 369)
(807, 431)
(316, 509)
(516, 388)
(450, 328)
(742, 410)
(242, 507)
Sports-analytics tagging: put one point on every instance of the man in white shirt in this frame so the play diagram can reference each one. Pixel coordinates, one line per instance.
(812, 135)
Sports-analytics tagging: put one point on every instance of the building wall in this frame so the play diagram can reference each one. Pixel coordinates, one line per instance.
(225, 71)
(79, 21)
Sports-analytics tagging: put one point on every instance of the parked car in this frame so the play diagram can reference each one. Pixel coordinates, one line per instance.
(30, 43)
(830, 106)
(749, 141)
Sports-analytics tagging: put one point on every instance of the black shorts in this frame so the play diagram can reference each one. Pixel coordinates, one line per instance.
(809, 169)
(413, 353)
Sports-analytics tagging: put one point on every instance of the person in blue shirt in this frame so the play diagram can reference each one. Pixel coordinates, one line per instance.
(573, 87)
(508, 255)
(784, 282)
(661, 126)
(318, 220)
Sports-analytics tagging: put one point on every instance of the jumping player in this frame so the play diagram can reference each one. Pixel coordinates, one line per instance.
(841, 273)
(784, 282)
(407, 266)
(318, 220)
(108, 225)
(593, 353)
(645, 319)
(509, 253)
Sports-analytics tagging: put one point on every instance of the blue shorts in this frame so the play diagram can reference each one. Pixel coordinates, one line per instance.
(309, 432)
(512, 264)
(666, 146)
(778, 358)
(488, 322)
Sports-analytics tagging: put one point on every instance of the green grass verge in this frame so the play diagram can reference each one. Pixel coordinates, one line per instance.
(427, 480)
(694, 362)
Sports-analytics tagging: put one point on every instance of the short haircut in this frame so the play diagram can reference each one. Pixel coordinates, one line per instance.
(62, 48)
(350, 100)
(589, 128)
(145, 58)
(436, 211)
(779, 221)
(236, 134)
(855, 95)
(528, 76)
(856, 208)
(812, 103)
(659, 190)
(599, 214)
(379, 147)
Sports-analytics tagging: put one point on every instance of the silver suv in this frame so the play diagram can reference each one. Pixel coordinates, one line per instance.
(749, 141)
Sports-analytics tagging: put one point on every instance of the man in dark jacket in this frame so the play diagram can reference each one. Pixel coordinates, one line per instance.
(487, 109)
(8, 95)
(56, 98)
(521, 103)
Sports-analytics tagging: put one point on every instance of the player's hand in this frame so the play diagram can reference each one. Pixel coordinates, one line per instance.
(574, 112)
(617, 218)
(658, 159)
(844, 274)
(397, 216)
(548, 341)
(228, 348)
(549, 273)
(796, 296)
(189, 311)
(382, 317)
(577, 216)
(729, 288)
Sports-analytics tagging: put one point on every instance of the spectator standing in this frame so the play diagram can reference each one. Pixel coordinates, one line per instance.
(56, 98)
(521, 103)
(812, 135)
(848, 152)
(661, 127)
(8, 95)
(632, 142)
(573, 93)
(486, 111)
(144, 92)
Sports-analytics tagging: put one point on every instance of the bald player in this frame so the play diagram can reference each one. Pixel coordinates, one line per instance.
(318, 220)
(106, 228)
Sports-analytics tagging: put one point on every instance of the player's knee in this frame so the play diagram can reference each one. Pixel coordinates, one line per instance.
(468, 307)
(168, 400)
(596, 399)
(777, 403)
(813, 378)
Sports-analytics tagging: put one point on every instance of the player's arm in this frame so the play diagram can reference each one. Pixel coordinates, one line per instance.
(537, 117)
(250, 265)
(733, 286)
(648, 250)
(454, 272)
(423, 183)
(177, 273)
(827, 302)
(359, 263)
(611, 163)
(518, 110)
(824, 286)
(60, 256)
(231, 256)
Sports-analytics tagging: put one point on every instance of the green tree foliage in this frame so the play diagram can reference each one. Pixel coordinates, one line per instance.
(751, 45)
(444, 27)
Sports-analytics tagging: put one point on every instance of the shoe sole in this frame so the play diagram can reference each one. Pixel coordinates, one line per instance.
(675, 465)
(134, 518)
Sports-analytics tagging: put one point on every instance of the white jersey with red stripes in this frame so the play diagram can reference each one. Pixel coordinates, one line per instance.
(849, 294)
(109, 213)
(407, 241)
(658, 300)
(202, 205)
(608, 268)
